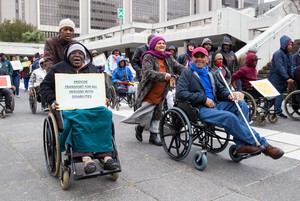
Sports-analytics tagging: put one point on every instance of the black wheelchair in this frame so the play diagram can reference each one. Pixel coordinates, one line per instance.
(34, 98)
(118, 93)
(67, 168)
(259, 107)
(181, 127)
(2, 103)
(292, 104)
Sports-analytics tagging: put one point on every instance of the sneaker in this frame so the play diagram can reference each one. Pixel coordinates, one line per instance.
(90, 167)
(273, 152)
(282, 116)
(18, 96)
(110, 164)
(249, 149)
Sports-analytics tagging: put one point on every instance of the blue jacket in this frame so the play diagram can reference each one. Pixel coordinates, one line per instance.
(280, 70)
(190, 88)
(122, 73)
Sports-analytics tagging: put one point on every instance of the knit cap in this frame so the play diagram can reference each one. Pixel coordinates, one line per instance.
(218, 56)
(66, 23)
(75, 47)
(154, 40)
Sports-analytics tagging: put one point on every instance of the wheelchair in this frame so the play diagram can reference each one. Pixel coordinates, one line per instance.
(34, 98)
(66, 169)
(292, 104)
(259, 107)
(181, 127)
(2, 103)
(118, 93)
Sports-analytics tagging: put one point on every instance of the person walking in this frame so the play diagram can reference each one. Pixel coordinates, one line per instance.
(157, 68)
(54, 47)
(281, 72)
(136, 58)
(16, 77)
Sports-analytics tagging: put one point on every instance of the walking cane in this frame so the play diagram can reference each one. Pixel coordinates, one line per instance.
(239, 108)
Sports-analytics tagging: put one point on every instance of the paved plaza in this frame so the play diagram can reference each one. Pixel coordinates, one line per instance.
(148, 173)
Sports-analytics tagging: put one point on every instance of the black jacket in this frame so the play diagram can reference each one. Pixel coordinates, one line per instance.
(47, 87)
(136, 61)
(183, 59)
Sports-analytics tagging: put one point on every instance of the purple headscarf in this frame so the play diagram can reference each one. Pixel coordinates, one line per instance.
(153, 52)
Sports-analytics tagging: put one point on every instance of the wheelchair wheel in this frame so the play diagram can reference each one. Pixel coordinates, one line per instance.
(233, 155)
(65, 179)
(200, 160)
(131, 99)
(252, 106)
(33, 102)
(114, 176)
(176, 133)
(272, 118)
(292, 105)
(112, 97)
(218, 139)
(51, 145)
(3, 113)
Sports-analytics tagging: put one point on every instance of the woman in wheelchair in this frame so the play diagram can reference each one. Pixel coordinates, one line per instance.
(216, 106)
(122, 77)
(81, 131)
(36, 78)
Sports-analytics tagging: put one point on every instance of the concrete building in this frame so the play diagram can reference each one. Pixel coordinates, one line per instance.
(93, 15)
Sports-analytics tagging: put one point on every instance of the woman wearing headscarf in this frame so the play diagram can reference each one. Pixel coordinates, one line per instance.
(157, 68)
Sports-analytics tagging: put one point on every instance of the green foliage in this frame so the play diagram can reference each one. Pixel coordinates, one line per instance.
(19, 31)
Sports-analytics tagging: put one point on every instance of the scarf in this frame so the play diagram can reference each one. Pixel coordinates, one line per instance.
(159, 55)
(203, 74)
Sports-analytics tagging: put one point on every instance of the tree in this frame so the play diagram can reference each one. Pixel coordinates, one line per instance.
(12, 31)
(35, 36)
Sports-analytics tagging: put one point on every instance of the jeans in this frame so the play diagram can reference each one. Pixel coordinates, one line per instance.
(226, 115)
(278, 102)
(16, 83)
(26, 81)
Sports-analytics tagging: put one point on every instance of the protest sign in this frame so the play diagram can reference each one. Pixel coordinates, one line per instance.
(265, 88)
(16, 65)
(5, 81)
(99, 60)
(80, 91)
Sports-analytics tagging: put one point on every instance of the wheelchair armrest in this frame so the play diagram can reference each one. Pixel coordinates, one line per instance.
(189, 110)
(59, 120)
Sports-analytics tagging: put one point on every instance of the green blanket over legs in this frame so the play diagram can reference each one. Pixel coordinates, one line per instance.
(87, 130)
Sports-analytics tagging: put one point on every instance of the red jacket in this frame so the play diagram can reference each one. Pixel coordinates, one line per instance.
(248, 72)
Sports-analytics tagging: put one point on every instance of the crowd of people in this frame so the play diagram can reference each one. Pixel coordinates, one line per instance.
(199, 71)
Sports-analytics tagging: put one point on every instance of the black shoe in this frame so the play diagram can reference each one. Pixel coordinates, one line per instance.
(154, 140)
(138, 133)
(90, 167)
(110, 164)
(282, 116)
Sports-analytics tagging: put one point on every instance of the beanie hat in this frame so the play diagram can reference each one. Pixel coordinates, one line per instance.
(66, 23)
(154, 40)
(252, 49)
(94, 52)
(191, 43)
(172, 47)
(25, 58)
(41, 61)
(37, 55)
(2, 54)
(218, 56)
(75, 47)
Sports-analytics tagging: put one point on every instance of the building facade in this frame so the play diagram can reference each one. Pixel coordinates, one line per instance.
(93, 15)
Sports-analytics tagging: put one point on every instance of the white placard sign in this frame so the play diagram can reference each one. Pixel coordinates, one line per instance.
(80, 91)
(265, 88)
(16, 65)
(5, 81)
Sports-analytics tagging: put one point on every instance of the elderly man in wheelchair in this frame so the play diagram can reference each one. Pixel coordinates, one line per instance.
(217, 106)
(6, 94)
(89, 132)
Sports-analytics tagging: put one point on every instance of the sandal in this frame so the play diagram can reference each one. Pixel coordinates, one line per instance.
(90, 167)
